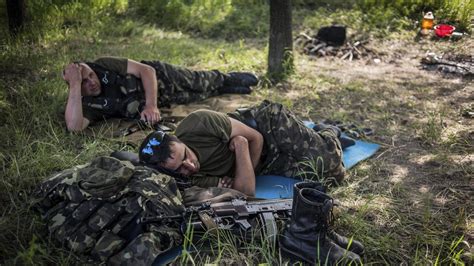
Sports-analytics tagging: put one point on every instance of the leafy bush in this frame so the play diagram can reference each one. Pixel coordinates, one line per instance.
(184, 14)
(213, 18)
(457, 12)
(380, 18)
(379, 22)
(46, 18)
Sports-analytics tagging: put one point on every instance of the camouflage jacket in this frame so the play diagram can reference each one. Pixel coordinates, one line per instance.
(96, 210)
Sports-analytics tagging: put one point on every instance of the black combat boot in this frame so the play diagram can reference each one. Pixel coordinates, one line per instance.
(234, 89)
(305, 237)
(342, 241)
(244, 79)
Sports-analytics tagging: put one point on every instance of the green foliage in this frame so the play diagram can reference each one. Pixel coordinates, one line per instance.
(381, 18)
(184, 14)
(234, 19)
(214, 18)
(458, 12)
(378, 22)
(28, 256)
(48, 16)
(323, 3)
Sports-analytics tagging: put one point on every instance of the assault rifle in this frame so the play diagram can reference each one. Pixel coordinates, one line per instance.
(239, 216)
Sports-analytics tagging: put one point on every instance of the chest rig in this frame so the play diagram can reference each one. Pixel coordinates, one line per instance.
(122, 95)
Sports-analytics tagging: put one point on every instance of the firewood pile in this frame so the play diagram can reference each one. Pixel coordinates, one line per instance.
(454, 64)
(350, 50)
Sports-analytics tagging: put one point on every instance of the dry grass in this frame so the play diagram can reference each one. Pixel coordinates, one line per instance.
(414, 198)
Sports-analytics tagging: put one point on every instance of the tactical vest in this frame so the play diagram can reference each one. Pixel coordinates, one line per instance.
(98, 211)
(121, 95)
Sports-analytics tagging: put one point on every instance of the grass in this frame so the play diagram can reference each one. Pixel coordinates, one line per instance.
(408, 205)
(431, 131)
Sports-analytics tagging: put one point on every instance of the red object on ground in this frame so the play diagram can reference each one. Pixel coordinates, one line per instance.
(444, 30)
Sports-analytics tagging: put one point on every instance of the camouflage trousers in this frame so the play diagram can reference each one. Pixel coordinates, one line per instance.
(291, 149)
(179, 85)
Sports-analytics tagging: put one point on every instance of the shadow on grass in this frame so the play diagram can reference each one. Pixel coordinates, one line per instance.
(411, 201)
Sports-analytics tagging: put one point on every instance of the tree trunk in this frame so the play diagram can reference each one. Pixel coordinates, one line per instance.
(280, 58)
(16, 10)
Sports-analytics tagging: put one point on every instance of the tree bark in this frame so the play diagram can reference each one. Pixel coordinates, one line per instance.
(280, 58)
(16, 10)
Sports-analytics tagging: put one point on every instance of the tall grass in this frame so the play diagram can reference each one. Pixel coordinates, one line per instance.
(35, 143)
(213, 18)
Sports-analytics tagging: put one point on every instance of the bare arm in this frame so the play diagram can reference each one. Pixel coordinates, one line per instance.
(255, 139)
(147, 74)
(75, 121)
(247, 143)
(244, 180)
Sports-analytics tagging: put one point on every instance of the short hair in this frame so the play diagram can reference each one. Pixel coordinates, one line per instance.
(155, 148)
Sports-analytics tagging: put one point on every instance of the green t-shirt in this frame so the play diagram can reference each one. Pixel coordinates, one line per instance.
(207, 133)
(114, 64)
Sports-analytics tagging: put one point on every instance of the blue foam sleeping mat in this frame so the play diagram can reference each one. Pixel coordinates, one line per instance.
(280, 187)
(276, 187)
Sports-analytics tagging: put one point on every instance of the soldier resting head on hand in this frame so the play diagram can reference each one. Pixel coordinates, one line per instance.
(124, 88)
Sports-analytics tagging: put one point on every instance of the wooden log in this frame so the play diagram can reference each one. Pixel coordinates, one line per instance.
(317, 47)
(347, 54)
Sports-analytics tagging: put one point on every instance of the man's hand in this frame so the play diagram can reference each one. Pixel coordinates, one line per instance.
(75, 121)
(225, 182)
(147, 74)
(72, 75)
(150, 114)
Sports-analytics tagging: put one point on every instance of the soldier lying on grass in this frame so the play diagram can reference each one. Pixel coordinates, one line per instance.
(215, 149)
(120, 87)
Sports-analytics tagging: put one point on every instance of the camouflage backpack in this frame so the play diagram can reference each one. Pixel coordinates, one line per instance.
(96, 210)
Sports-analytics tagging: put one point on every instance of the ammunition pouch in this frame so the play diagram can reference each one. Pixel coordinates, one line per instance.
(122, 95)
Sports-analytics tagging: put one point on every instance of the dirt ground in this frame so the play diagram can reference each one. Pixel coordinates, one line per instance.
(427, 156)
(428, 144)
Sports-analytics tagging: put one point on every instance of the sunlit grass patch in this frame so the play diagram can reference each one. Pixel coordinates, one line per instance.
(434, 129)
(431, 131)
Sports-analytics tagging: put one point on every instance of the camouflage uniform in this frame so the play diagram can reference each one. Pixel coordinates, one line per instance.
(181, 86)
(291, 148)
(96, 210)
(123, 94)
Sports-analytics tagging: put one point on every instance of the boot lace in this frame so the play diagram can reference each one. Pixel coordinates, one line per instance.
(326, 219)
